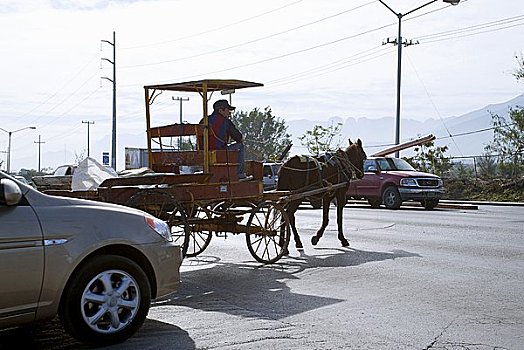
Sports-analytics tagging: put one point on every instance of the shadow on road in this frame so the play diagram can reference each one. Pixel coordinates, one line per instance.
(249, 289)
(52, 336)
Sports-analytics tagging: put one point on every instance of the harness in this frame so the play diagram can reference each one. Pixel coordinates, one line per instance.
(339, 160)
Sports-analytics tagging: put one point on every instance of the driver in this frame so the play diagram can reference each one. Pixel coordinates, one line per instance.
(222, 129)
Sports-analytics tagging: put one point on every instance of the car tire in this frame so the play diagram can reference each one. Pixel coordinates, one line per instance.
(95, 287)
(375, 202)
(391, 198)
(429, 204)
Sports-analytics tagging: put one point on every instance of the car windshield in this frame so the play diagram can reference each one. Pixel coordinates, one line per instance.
(401, 164)
(387, 164)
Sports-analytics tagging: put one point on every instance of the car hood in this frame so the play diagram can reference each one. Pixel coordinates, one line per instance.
(41, 199)
(404, 173)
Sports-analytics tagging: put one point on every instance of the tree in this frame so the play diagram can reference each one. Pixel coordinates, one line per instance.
(322, 139)
(431, 159)
(486, 166)
(265, 135)
(508, 137)
(508, 141)
(519, 72)
(459, 170)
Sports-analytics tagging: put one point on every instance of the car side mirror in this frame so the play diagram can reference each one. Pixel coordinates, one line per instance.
(10, 193)
(372, 169)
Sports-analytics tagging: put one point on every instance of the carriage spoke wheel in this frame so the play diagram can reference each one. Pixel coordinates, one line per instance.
(164, 206)
(268, 232)
(198, 239)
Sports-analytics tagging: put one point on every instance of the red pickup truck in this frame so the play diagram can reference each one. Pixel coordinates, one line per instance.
(391, 181)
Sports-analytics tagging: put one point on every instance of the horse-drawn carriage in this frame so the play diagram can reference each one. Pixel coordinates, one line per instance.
(212, 199)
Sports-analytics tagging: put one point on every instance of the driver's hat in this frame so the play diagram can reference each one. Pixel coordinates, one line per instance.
(222, 104)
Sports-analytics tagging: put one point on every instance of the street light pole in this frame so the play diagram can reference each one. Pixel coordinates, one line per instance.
(10, 133)
(399, 44)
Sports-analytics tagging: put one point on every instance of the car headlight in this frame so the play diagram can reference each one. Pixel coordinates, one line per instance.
(408, 182)
(160, 227)
(440, 183)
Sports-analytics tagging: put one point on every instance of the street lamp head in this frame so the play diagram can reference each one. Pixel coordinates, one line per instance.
(32, 127)
(452, 2)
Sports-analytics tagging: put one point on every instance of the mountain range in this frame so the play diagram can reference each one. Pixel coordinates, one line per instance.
(462, 134)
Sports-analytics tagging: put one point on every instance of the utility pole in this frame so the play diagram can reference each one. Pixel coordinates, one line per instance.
(88, 123)
(39, 151)
(400, 43)
(181, 99)
(113, 62)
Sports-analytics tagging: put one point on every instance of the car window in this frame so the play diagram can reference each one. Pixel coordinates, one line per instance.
(62, 171)
(384, 164)
(368, 164)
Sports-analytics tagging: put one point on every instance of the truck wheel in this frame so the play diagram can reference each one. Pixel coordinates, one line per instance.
(429, 204)
(106, 300)
(375, 202)
(391, 198)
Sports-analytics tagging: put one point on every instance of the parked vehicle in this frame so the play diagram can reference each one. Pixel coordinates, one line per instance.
(97, 265)
(270, 175)
(391, 181)
(60, 179)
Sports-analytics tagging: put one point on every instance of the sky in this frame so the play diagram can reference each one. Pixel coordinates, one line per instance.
(317, 60)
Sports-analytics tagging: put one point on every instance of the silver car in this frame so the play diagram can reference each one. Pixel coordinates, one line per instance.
(96, 265)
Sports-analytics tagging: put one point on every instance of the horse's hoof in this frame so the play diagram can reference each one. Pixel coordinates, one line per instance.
(285, 252)
(299, 245)
(314, 240)
(345, 243)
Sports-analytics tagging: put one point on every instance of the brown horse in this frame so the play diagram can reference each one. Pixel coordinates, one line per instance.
(305, 173)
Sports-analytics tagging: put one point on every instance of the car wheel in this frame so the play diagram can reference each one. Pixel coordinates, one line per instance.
(106, 300)
(391, 198)
(429, 204)
(375, 202)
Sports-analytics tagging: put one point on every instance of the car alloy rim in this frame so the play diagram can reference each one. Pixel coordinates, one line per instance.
(390, 198)
(110, 301)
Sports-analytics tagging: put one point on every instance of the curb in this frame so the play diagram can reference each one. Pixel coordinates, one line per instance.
(452, 204)
(450, 201)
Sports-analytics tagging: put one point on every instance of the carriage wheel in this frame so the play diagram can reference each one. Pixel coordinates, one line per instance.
(164, 206)
(268, 232)
(198, 239)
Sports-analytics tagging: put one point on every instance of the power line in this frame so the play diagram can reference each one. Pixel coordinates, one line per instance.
(280, 56)
(432, 103)
(214, 29)
(450, 135)
(330, 68)
(250, 41)
(499, 22)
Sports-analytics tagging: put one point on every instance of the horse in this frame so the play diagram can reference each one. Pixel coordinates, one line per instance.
(305, 173)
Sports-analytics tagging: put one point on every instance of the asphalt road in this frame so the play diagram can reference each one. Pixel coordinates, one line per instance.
(411, 279)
